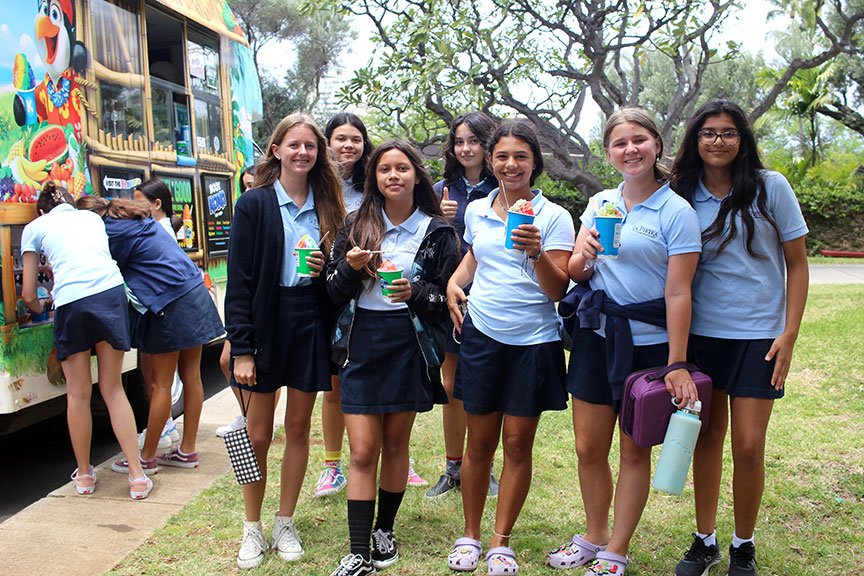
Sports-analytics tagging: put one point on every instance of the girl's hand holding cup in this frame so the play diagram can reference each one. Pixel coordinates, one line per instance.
(315, 260)
(527, 239)
(400, 290)
(591, 246)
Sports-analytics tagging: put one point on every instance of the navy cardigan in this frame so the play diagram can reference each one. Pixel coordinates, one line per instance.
(255, 254)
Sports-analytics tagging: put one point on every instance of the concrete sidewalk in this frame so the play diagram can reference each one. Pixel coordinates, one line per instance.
(71, 535)
(836, 273)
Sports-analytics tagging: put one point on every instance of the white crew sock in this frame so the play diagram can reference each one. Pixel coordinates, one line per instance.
(736, 541)
(708, 539)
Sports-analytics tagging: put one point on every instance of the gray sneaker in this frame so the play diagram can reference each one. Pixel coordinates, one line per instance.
(445, 484)
(253, 546)
(286, 540)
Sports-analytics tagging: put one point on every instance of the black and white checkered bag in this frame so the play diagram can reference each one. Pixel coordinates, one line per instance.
(240, 452)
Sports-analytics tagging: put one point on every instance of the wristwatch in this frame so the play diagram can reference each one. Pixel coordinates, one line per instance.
(536, 258)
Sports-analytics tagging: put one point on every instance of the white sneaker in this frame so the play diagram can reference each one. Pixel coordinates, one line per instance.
(164, 441)
(253, 547)
(286, 540)
(236, 424)
(171, 430)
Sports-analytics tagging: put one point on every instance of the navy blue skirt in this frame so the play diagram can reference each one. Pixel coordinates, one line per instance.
(80, 325)
(301, 346)
(189, 321)
(516, 380)
(737, 367)
(385, 371)
(587, 378)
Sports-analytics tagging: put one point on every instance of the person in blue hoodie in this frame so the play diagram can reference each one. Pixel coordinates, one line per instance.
(171, 311)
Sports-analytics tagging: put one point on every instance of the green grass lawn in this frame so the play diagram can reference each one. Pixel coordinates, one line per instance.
(834, 261)
(811, 522)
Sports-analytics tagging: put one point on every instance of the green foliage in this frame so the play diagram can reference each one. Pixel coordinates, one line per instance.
(26, 351)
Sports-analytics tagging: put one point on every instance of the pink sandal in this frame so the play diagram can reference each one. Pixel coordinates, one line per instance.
(577, 552)
(465, 555)
(140, 488)
(501, 560)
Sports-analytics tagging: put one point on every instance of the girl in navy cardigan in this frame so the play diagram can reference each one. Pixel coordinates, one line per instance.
(276, 318)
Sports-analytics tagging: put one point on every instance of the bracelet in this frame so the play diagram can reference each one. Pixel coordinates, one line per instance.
(501, 535)
(536, 258)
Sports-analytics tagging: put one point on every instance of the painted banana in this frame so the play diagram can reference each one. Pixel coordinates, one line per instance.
(19, 173)
(34, 170)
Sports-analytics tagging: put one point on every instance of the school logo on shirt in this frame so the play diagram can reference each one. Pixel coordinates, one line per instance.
(645, 231)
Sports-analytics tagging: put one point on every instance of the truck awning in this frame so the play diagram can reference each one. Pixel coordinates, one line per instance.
(212, 14)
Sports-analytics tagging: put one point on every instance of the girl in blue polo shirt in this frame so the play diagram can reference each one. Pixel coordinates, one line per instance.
(511, 358)
(172, 312)
(748, 299)
(91, 312)
(349, 143)
(655, 265)
(275, 318)
(389, 347)
(467, 177)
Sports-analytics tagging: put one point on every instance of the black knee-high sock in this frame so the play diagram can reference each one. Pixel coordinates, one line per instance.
(360, 515)
(388, 506)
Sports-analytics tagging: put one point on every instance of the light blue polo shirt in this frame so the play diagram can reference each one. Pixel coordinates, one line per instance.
(735, 295)
(506, 302)
(351, 196)
(663, 225)
(76, 246)
(295, 223)
(399, 244)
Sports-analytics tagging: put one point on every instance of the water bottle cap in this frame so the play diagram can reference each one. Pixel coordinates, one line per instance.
(697, 406)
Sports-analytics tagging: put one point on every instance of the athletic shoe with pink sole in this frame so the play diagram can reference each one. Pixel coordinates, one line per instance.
(121, 466)
(84, 483)
(178, 458)
(140, 488)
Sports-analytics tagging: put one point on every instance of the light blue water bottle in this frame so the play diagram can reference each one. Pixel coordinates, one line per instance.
(677, 451)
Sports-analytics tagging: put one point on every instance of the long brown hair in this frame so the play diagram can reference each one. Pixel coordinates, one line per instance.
(118, 208)
(641, 118)
(323, 177)
(367, 231)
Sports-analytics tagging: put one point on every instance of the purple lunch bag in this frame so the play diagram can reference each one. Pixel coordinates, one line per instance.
(646, 405)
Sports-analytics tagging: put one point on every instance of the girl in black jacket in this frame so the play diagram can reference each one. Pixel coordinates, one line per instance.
(389, 338)
(275, 315)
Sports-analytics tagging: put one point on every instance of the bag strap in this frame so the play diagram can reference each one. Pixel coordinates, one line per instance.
(244, 406)
(662, 372)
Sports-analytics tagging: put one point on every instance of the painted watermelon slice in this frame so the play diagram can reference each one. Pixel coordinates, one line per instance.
(48, 144)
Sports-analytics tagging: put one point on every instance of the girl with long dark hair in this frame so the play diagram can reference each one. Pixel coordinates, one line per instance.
(389, 347)
(467, 177)
(748, 299)
(276, 318)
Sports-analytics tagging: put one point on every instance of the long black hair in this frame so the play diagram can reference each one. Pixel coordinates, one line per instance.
(358, 176)
(523, 131)
(482, 127)
(367, 231)
(745, 172)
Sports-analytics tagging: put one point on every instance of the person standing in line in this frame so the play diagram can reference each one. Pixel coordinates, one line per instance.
(511, 358)
(276, 319)
(172, 313)
(467, 177)
(389, 347)
(748, 299)
(652, 274)
(349, 143)
(91, 312)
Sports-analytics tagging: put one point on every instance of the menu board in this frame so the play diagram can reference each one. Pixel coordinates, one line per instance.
(217, 216)
(183, 205)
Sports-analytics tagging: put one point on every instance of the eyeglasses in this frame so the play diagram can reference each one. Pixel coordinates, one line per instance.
(729, 137)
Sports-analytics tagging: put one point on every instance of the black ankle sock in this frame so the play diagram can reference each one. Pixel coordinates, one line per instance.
(360, 515)
(388, 506)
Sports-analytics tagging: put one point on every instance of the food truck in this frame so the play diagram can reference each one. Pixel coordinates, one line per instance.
(95, 96)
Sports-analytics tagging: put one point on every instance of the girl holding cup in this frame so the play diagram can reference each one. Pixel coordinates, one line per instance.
(275, 318)
(511, 357)
(389, 347)
(659, 249)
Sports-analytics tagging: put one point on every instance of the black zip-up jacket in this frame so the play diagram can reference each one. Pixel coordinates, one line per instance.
(434, 263)
(255, 254)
